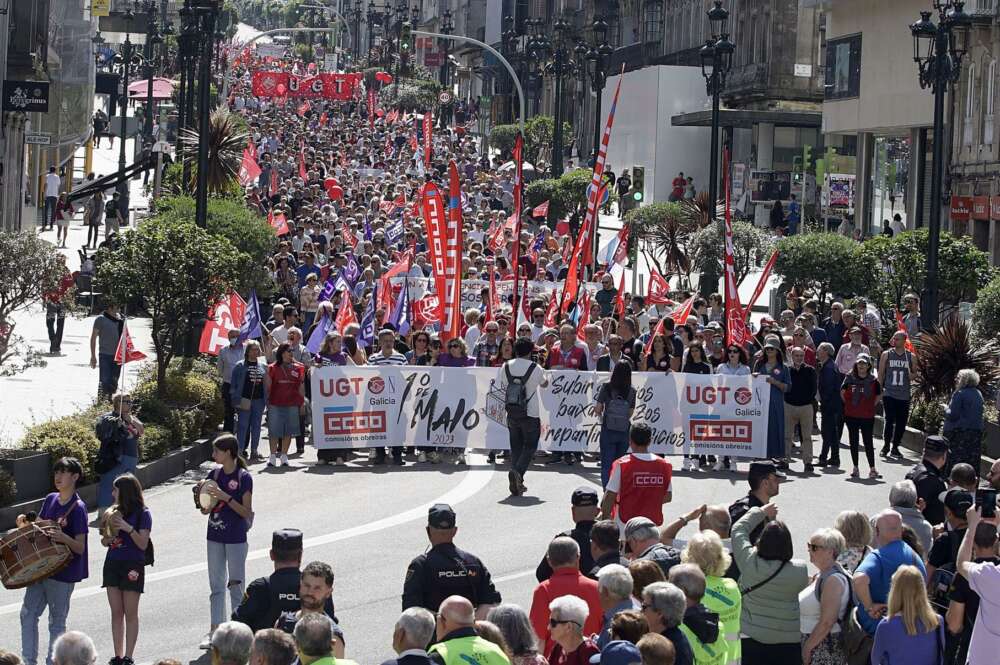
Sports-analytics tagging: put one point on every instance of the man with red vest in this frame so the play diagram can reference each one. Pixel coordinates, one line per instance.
(569, 354)
(640, 481)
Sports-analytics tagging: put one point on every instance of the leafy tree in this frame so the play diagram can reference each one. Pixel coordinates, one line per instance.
(29, 267)
(502, 137)
(567, 194)
(227, 138)
(986, 314)
(751, 248)
(667, 233)
(177, 269)
(824, 263)
(408, 96)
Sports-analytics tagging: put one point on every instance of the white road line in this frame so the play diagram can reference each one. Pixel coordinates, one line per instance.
(513, 576)
(476, 478)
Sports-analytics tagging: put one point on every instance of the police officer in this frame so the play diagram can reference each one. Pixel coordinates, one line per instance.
(764, 479)
(446, 570)
(266, 598)
(585, 509)
(930, 477)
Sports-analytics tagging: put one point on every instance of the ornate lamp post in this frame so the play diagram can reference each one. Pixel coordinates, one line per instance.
(447, 27)
(124, 63)
(555, 54)
(938, 51)
(716, 61)
(596, 55)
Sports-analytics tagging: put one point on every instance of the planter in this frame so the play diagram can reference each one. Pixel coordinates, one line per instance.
(31, 470)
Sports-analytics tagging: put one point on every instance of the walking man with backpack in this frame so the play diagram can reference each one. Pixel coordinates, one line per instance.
(521, 378)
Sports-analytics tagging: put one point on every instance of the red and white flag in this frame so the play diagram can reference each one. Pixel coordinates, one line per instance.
(436, 220)
(249, 169)
(584, 306)
(679, 315)
(278, 222)
(541, 210)
(550, 312)
(426, 310)
(760, 284)
(451, 324)
(428, 138)
(515, 251)
(126, 351)
(901, 327)
(736, 325)
(345, 315)
(658, 289)
(302, 162)
(371, 108)
(223, 316)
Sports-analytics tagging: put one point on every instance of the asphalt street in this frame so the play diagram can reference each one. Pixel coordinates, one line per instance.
(369, 522)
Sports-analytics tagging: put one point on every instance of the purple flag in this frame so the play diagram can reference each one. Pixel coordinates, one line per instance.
(351, 271)
(315, 342)
(400, 317)
(329, 288)
(368, 229)
(251, 328)
(367, 335)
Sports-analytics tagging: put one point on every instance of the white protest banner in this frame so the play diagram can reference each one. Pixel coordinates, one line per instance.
(359, 407)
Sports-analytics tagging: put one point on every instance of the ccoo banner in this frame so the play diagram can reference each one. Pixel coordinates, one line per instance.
(359, 407)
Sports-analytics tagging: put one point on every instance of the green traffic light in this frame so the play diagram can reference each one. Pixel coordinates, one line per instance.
(637, 196)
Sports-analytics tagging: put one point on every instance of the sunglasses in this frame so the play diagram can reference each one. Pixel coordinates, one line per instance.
(813, 547)
(736, 351)
(555, 622)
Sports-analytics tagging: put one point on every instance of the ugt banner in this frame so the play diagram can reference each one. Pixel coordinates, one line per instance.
(360, 407)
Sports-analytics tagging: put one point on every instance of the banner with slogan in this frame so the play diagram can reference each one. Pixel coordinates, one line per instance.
(360, 407)
(333, 86)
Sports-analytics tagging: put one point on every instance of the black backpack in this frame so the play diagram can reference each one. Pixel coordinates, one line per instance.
(516, 395)
(110, 432)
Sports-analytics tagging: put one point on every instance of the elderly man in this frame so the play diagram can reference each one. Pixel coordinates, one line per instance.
(414, 631)
(873, 576)
(702, 628)
(231, 644)
(567, 580)
(314, 641)
(710, 518)
(642, 539)
(272, 647)
(74, 648)
(664, 605)
(488, 345)
(614, 585)
(457, 640)
(904, 500)
(799, 406)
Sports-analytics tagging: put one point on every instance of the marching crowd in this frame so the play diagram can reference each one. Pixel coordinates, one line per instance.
(915, 580)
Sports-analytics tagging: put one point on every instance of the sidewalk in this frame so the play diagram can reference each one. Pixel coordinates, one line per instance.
(67, 382)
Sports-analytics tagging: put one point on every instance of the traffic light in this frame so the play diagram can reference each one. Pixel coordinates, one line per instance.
(406, 39)
(807, 156)
(638, 183)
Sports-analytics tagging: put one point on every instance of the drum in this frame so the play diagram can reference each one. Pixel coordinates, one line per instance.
(206, 500)
(27, 555)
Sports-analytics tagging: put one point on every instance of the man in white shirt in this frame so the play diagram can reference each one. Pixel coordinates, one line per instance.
(523, 422)
(52, 185)
(537, 324)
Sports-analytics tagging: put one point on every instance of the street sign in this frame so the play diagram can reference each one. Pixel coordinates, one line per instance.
(100, 8)
(37, 139)
(444, 98)
(26, 96)
(270, 50)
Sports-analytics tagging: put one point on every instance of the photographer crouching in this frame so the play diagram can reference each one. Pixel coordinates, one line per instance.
(118, 432)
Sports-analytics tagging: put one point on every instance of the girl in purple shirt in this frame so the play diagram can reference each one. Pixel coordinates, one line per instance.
(457, 356)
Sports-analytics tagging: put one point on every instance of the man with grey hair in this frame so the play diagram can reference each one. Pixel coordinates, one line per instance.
(232, 642)
(904, 500)
(642, 539)
(272, 647)
(567, 580)
(414, 631)
(614, 586)
(702, 627)
(74, 648)
(663, 605)
(313, 637)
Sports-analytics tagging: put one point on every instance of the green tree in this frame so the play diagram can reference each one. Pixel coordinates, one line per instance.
(824, 263)
(986, 313)
(666, 234)
(567, 194)
(177, 269)
(751, 248)
(29, 266)
(502, 137)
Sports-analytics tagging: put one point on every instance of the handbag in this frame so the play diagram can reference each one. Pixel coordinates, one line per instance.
(751, 589)
(857, 641)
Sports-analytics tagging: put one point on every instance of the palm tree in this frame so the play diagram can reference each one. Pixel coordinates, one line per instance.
(942, 352)
(226, 137)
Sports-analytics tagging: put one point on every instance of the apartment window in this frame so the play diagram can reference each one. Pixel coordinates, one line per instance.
(990, 91)
(652, 21)
(970, 102)
(843, 67)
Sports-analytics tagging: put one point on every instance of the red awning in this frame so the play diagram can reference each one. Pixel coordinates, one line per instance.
(162, 89)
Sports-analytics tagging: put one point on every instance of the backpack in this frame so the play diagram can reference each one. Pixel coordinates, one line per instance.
(109, 432)
(616, 412)
(516, 394)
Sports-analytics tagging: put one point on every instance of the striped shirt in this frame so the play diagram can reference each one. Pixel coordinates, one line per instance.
(395, 358)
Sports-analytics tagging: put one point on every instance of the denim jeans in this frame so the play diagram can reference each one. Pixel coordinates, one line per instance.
(109, 371)
(226, 567)
(613, 445)
(125, 465)
(50, 211)
(53, 594)
(248, 425)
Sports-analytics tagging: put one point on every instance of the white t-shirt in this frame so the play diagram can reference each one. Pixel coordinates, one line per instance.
(472, 336)
(519, 367)
(52, 182)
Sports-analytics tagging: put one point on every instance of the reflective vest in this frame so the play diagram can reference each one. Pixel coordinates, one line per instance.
(715, 653)
(471, 649)
(722, 596)
(330, 660)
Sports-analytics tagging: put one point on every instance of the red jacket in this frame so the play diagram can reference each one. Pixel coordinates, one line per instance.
(576, 359)
(565, 582)
(865, 407)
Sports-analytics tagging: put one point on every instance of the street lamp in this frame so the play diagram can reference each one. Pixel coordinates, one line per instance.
(559, 66)
(187, 49)
(206, 11)
(447, 27)
(511, 49)
(596, 56)
(716, 61)
(123, 63)
(938, 51)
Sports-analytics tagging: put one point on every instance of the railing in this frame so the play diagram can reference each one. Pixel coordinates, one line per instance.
(987, 8)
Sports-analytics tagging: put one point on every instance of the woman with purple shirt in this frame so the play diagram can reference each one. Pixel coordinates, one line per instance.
(457, 356)
(332, 353)
(911, 632)
(125, 563)
(228, 523)
(65, 508)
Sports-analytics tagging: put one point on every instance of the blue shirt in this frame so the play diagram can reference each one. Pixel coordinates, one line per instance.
(304, 270)
(879, 565)
(965, 410)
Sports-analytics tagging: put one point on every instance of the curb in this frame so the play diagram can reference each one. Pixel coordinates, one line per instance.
(914, 440)
(152, 473)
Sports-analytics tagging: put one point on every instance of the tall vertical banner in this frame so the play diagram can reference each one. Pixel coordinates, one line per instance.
(451, 325)
(428, 145)
(736, 325)
(516, 249)
(760, 284)
(572, 286)
(435, 217)
(371, 108)
(225, 315)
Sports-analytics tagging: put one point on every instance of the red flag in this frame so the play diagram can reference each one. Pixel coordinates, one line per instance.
(435, 217)
(278, 222)
(760, 284)
(428, 144)
(426, 310)
(126, 351)
(901, 327)
(322, 119)
(518, 161)
(619, 311)
(249, 169)
(371, 108)
(493, 302)
(736, 325)
(550, 312)
(226, 314)
(679, 315)
(402, 266)
(413, 143)
(541, 210)
(584, 306)
(452, 322)
(302, 163)
(658, 289)
(385, 300)
(274, 182)
(349, 238)
(571, 287)
(620, 256)
(345, 315)
(388, 147)
(252, 148)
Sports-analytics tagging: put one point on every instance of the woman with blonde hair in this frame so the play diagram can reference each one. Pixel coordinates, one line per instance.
(823, 604)
(912, 632)
(856, 529)
(722, 594)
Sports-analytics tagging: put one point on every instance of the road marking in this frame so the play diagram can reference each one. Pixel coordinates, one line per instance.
(476, 478)
(514, 576)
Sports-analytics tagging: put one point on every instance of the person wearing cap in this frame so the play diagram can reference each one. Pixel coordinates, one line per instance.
(618, 652)
(567, 580)
(861, 393)
(266, 598)
(445, 570)
(944, 550)
(229, 357)
(930, 477)
(765, 483)
(584, 512)
(457, 640)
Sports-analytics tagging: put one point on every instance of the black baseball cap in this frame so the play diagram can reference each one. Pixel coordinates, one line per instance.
(441, 516)
(286, 540)
(957, 501)
(584, 496)
(935, 444)
(762, 470)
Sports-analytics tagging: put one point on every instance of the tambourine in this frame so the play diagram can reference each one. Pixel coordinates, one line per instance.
(206, 500)
(106, 528)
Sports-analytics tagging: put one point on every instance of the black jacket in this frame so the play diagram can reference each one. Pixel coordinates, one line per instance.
(581, 534)
(447, 571)
(266, 598)
(703, 623)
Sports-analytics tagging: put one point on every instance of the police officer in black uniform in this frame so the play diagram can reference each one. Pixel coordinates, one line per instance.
(931, 478)
(446, 570)
(267, 597)
(764, 479)
(585, 509)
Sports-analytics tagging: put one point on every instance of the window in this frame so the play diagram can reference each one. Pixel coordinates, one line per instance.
(970, 102)
(652, 21)
(989, 90)
(843, 67)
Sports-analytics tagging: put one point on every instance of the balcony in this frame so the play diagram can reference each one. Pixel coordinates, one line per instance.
(982, 11)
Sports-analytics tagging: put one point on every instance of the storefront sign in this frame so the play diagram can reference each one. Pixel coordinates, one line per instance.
(100, 8)
(995, 207)
(980, 207)
(26, 96)
(961, 208)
